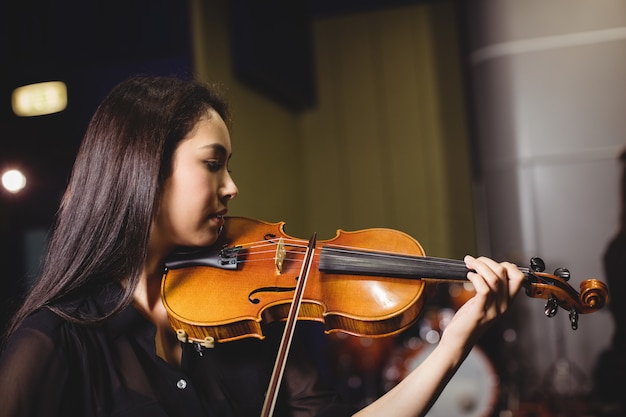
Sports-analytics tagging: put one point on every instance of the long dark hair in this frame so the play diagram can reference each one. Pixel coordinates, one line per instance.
(102, 226)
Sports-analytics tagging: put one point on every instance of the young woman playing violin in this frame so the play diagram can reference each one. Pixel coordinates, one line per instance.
(92, 338)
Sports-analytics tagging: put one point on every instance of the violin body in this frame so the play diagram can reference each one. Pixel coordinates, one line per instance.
(229, 304)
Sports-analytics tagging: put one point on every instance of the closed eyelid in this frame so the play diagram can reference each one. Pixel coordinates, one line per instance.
(214, 161)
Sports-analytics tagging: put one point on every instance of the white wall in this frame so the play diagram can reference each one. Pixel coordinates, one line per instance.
(549, 85)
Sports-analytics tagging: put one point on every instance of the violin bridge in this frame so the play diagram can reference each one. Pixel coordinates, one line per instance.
(280, 255)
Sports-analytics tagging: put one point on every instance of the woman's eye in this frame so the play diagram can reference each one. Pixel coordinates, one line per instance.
(214, 164)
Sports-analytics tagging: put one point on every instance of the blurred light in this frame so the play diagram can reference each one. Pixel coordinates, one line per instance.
(13, 181)
(39, 99)
(432, 336)
(509, 335)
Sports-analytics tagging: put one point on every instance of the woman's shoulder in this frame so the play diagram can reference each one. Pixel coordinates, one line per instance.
(33, 357)
(39, 334)
(43, 320)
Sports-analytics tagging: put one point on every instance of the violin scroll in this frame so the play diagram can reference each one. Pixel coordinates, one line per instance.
(593, 294)
(554, 288)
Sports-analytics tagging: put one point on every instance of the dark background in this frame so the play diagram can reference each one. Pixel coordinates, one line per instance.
(93, 45)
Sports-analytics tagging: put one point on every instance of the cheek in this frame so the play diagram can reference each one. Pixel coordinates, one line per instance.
(187, 201)
(190, 200)
(175, 208)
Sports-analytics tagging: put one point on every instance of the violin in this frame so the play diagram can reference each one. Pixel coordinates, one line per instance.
(370, 283)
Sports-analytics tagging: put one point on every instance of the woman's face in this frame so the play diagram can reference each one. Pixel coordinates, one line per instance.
(195, 196)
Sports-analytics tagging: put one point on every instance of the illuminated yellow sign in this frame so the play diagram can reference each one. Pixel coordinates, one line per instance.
(39, 99)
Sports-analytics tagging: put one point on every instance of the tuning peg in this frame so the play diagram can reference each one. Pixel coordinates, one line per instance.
(537, 264)
(573, 318)
(562, 273)
(551, 308)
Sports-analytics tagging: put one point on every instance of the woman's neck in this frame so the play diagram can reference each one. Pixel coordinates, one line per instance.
(147, 299)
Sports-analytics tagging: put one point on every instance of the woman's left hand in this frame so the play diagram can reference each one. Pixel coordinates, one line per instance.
(496, 285)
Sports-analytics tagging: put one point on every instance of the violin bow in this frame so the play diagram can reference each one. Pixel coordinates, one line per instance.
(290, 325)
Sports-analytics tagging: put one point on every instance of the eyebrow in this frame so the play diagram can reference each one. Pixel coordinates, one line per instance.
(218, 148)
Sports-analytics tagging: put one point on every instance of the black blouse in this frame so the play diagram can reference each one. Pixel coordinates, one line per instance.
(51, 367)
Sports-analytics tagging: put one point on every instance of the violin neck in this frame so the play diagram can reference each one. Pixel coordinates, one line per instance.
(372, 263)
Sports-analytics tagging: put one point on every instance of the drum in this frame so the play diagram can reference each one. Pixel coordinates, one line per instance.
(472, 391)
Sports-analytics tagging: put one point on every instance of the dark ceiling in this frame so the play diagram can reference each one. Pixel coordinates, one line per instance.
(91, 45)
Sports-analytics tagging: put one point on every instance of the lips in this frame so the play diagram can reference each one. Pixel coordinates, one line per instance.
(219, 218)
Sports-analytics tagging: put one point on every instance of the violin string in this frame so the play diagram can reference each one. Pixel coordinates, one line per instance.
(433, 261)
(268, 247)
(295, 256)
(271, 243)
(420, 259)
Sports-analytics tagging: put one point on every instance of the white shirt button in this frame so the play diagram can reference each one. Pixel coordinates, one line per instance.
(181, 384)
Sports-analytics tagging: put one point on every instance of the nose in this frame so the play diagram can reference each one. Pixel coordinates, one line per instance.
(229, 189)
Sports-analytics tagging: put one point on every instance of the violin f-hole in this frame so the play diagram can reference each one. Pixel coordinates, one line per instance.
(268, 289)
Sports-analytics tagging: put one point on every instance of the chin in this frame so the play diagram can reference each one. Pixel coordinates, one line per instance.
(208, 240)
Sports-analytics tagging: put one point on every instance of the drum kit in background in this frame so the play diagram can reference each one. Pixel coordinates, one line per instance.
(371, 367)
(472, 392)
